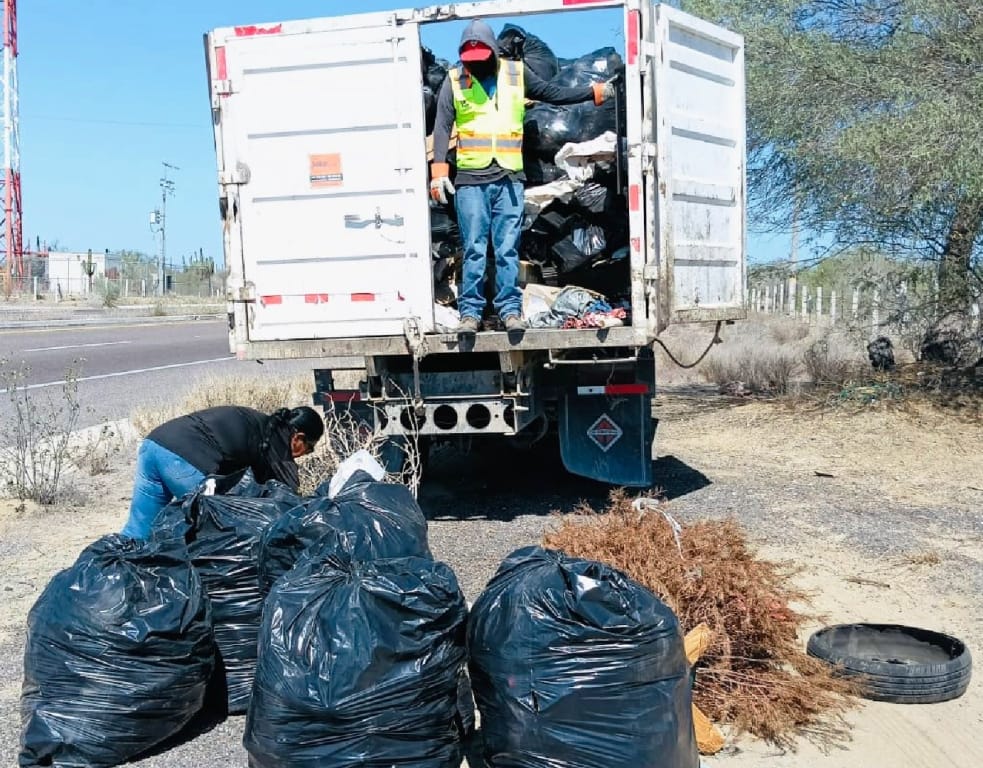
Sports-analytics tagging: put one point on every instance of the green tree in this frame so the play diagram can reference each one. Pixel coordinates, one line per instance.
(868, 114)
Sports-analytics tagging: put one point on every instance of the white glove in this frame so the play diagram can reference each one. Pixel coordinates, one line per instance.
(441, 189)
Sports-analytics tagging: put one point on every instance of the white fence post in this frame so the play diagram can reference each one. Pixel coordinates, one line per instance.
(804, 309)
(832, 307)
(791, 298)
(875, 310)
(819, 304)
(856, 303)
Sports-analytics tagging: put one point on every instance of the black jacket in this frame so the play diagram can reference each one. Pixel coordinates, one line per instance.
(228, 439)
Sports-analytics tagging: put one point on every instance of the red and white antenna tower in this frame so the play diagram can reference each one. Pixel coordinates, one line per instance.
(11, 233)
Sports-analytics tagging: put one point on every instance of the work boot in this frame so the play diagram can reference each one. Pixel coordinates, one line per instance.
(514, 323)
(468, 325)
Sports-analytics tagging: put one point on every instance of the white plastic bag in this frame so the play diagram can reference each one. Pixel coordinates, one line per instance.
(361, 460)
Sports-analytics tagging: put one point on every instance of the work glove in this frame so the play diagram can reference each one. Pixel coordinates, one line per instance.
(440, 183)
(603, 92)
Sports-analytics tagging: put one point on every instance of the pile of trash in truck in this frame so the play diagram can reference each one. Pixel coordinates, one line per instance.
(575, 232)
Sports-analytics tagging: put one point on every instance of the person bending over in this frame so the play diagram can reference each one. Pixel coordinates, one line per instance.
(175, 458)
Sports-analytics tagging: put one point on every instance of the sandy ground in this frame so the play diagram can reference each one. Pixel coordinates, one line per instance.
(893, 535)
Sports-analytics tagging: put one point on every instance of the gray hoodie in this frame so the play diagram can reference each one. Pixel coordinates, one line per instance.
(536, 89)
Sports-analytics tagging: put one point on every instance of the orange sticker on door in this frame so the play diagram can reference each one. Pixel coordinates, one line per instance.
(326, 170)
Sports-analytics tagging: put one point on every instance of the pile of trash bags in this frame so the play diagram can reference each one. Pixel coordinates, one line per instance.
(576, 222)
(360, 655)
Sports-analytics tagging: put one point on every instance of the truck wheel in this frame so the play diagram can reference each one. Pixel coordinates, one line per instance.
(894, 663)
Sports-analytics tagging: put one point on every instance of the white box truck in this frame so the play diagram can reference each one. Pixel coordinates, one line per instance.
(324, 200)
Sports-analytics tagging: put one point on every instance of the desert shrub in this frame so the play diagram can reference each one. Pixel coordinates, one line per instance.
(759, 370)
(36, 438)
(831, 361)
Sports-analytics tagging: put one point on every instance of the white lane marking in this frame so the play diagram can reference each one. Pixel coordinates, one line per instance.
(77, 346)
(124, 373)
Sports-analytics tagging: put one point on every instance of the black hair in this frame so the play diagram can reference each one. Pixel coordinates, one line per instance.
(306, 420)
(302, 419)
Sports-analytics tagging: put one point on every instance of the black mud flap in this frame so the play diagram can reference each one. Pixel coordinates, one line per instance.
(608, 437)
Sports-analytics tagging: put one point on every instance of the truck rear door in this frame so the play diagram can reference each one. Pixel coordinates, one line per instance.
(695, 199)
(320, 140)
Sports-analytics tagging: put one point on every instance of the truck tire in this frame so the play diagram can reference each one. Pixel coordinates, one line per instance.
(895, 663)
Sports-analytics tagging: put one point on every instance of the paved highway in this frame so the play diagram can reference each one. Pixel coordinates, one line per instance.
(124, 366)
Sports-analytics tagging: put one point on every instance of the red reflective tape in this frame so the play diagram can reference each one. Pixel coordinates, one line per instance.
(267, 300)
(315, 298)
(626, 389)
(343, 396)
(634, 198)
(221, 68)
(363, 297)
(615, 389)
(254, 30)
(634, 23)
(636, 244)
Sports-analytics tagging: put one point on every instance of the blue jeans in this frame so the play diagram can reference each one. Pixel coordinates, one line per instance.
(160, 477)
(494, 209)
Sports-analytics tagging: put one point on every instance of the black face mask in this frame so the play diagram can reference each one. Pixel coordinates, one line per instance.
(482, 69)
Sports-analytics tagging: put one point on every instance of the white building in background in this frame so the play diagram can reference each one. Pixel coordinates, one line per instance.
(67, 275)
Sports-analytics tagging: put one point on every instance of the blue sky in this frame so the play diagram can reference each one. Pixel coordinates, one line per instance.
(110, 88)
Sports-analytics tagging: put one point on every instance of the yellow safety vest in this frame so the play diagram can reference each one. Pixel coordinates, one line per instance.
(489, 128)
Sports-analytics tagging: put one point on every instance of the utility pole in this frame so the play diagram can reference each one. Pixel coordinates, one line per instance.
(11, 232)
(158, 222)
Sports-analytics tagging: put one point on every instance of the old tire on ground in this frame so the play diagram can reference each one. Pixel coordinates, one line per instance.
(897, 664)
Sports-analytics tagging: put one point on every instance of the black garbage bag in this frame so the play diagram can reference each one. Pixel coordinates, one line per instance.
(367, 519)
(547, 127)
(434, 71)
(360, 665)
(118, 657)
(593, 198)
(539, 171)
(574, 665)
(443, 224)
(584, 243)
(223, 534)
(516, 43)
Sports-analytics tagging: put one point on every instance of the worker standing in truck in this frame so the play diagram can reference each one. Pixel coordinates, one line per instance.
(485, 96)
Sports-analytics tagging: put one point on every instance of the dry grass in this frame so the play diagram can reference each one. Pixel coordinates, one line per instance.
(756, 675)
(833, 359)
(264, 393)
(344, 437)
(929, 557)
(752, 371)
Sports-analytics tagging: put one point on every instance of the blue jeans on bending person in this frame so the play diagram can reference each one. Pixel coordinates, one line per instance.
(493, 209)
(160, 477)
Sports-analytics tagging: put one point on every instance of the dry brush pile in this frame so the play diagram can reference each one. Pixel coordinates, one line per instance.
(756, 675)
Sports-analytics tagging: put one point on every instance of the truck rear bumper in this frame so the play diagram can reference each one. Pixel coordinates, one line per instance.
(439, 344)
